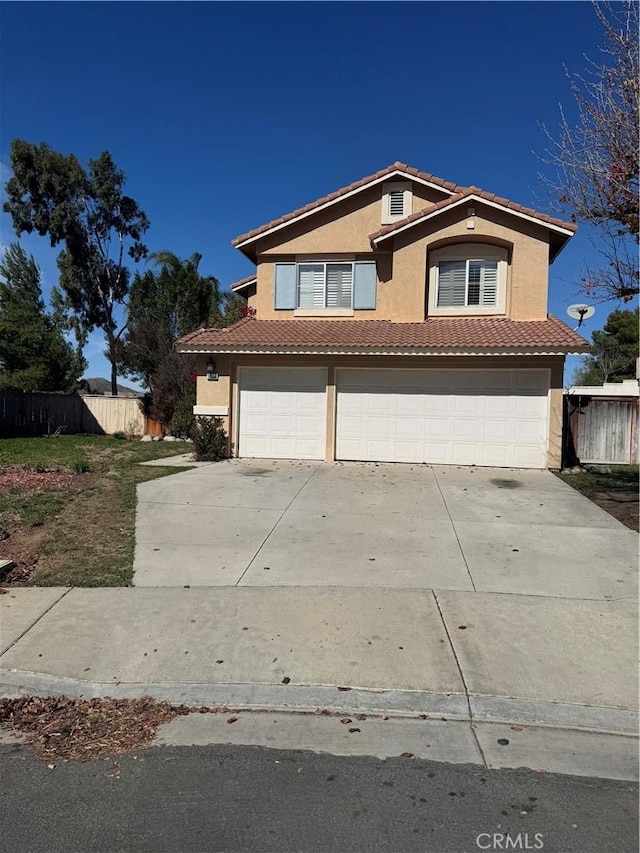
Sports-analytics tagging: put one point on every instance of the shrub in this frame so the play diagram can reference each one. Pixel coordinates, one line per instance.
(81, 466)
(120, 435)
(183, 421)
(210, 441)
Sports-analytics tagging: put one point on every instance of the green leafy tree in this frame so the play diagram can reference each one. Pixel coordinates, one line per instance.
(228, 310)
(613, 352)
(164, 305)
(34, 353)
(87, 213)
(596, 160)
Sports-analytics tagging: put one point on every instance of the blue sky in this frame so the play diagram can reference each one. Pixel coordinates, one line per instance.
(227, 115)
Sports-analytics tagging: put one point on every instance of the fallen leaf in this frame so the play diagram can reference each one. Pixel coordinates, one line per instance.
(345, 721)
(406, 755)
(352, 731)
(232, 720)
(516, 728)
(285, 680)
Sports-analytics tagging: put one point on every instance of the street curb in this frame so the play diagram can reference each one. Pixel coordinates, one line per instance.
(306, 699)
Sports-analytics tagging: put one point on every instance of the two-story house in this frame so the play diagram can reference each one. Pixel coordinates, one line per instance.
(400, 319)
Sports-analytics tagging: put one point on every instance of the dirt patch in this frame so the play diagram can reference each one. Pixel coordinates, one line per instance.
(29, 480)
(86, 729)
(614, 488)
(621, 505)
(32, 502)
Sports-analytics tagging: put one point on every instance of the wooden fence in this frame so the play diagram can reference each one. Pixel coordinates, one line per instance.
(43, 414)
(601, 430)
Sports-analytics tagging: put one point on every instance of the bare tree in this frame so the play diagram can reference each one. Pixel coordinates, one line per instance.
(596, 160)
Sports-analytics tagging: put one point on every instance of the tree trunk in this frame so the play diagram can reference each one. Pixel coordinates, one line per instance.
(112, 358)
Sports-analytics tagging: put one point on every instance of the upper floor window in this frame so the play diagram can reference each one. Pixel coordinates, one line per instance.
(317, 287)
(468, 278)
(325, 285)
(467, 283)
(396, 201)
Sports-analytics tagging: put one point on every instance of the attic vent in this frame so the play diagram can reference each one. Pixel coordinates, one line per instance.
(396, 201)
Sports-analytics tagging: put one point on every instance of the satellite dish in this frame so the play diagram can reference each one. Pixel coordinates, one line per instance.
(580, 313)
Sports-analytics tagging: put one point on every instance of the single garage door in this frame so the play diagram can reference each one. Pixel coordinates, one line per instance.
(463, 417)
(283, 412)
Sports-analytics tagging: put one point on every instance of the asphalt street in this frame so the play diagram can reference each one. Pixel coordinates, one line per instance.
(233, 799)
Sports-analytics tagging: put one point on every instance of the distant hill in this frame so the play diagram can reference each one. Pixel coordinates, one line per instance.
(98, 385)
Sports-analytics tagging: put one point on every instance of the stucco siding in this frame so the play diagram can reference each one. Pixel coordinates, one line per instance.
(403, 268)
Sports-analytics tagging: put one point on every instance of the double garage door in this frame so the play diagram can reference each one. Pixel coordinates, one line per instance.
(449, 416)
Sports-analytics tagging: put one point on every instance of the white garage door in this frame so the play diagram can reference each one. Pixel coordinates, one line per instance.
(283, 412)
(463, 417)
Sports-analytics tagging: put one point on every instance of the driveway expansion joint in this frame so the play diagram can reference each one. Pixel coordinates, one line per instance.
(36, 620)
(282, 514)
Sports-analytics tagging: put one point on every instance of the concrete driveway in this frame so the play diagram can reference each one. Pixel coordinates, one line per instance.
(285, 523)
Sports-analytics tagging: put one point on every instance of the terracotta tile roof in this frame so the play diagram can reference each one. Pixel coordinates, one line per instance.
(394, 167)
(434, 333)
(388, 230)
(458, 191)
(238, 285)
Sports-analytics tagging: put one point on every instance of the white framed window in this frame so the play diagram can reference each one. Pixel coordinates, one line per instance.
(467, 283)
(397, 201)
(468, 278)
(325, 285)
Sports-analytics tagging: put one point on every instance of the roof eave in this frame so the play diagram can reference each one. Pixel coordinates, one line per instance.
(242, 244)
(465, 199)
(253, 349)
(236, 288)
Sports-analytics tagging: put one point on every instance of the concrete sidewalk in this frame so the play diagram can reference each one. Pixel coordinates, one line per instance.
(475, 658)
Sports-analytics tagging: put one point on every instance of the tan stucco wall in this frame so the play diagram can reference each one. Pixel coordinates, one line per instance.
(214, 393)
(225, 391)
(403, 262)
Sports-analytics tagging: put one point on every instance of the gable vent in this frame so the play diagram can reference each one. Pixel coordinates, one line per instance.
(396, 203)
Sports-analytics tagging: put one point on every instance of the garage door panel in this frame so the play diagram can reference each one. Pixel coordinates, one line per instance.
(283, 413)
(465, 417)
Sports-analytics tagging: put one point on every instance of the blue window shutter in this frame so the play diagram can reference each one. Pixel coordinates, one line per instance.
(285, 285)
(364, 285)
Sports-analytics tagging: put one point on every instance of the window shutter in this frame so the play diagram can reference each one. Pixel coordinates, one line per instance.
(489, 291)
(364, 286)
(452, 282)
(285, 286)
(339, 288)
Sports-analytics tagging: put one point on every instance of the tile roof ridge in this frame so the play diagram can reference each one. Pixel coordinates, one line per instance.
(466, 192)
(332, 196)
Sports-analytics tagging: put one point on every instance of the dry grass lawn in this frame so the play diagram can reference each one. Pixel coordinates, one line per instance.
(67, 507)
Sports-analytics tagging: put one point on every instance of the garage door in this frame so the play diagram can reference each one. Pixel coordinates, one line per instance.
(283, 412)
(464, 417)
